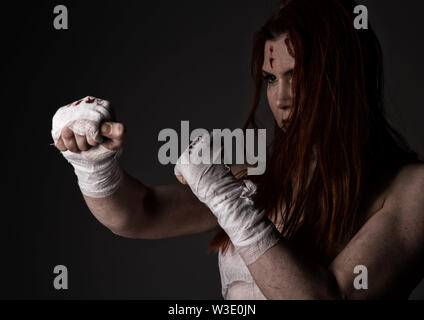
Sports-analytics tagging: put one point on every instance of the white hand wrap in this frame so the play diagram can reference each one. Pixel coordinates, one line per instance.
(250, 231)
(97, 169)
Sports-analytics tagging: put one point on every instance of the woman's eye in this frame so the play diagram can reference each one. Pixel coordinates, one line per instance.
(269, 78)
(290, 74)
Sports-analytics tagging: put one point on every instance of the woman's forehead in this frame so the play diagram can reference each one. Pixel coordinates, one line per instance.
(276, 55)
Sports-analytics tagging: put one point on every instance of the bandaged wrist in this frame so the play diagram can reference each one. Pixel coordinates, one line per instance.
(248, 227)
(229, 200)
(97, 169)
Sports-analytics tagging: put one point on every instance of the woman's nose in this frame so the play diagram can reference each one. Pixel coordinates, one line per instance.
(284, 96)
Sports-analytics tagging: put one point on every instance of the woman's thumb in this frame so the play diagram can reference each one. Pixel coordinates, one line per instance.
(112, 130)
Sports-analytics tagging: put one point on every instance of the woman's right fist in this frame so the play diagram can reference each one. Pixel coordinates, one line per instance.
(79, 130)
(69, 140)
(81, 125)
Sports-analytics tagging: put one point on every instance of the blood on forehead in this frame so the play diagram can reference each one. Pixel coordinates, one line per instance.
(289, 45)
(271, 58)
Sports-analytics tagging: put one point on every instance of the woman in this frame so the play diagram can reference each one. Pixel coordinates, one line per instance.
(341, 186)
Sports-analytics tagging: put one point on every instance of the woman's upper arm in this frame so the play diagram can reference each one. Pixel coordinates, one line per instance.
(390, 245)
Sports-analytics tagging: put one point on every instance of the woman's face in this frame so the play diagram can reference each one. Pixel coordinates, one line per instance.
(277, 71)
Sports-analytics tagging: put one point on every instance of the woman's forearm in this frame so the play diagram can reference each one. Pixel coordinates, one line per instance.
(282, 274)
(117, 210)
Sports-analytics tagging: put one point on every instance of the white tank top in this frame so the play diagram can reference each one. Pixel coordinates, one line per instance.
(236, 280)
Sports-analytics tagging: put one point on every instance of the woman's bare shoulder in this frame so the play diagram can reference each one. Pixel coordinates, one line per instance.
(406, 190)
(409, 177)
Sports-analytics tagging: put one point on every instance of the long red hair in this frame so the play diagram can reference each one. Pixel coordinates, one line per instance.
(337, 116)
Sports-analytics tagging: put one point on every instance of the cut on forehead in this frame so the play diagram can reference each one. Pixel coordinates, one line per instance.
(282, 42)
(277, 55)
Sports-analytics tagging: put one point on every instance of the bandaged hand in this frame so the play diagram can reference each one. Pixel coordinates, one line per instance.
(78, 130)
(229, 199)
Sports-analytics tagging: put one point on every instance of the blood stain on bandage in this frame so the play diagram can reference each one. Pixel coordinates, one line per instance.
(78, 102)
(100, 101)
(193, 143)
(90, 100)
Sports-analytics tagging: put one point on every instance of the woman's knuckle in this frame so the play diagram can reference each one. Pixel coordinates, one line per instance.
(120, 129)
(67, 133)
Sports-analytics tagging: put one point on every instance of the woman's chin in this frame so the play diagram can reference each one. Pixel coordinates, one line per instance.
(284, 125)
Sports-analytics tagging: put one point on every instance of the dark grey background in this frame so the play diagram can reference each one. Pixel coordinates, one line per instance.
(158, 62)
